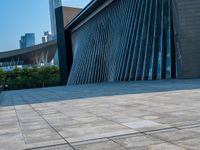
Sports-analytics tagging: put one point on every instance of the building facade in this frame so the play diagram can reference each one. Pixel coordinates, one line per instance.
(31, 56)
(53, 4)
(134, 40)
(47, 37)
(42, 54)
(27, 40)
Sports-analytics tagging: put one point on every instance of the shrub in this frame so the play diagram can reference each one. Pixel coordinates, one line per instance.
(2, 77)
(30, 78)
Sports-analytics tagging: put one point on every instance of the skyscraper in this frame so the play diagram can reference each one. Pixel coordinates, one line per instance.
(22, 42)
(27, 40)
(53, 4)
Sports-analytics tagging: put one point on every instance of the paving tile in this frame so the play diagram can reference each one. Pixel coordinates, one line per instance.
(89, 141)
(175, 135)
(162, 146)
(103, 116)
(192, 144)
(141, 124)
(11, 141)
(137, 141)
(94, 131)
(41, 135)
(58, 147)
(109, 145)
(47, 143)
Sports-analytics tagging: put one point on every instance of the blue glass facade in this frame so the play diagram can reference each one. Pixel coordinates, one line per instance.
(27, 40)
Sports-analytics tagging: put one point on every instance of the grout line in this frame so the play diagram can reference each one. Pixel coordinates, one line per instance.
(110, 120)
(143, 132)
(101, 138)
(46, 146)
(188, 126)
(166, 141)
(18, 120)
(130, 134)
(52, 127)
(118, 144)
(48, 123)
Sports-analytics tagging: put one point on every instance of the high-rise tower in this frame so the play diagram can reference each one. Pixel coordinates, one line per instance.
(27, 40)
(53, 4)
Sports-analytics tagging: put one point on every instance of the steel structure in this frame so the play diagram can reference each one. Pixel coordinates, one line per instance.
(127, 40)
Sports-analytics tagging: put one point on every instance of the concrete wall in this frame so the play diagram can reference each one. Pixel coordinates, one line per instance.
(187, 24)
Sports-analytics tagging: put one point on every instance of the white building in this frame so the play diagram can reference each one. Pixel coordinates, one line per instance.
(53, 4)
(47, 37)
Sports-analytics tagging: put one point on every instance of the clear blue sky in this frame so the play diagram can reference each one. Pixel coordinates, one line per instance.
(23, 16)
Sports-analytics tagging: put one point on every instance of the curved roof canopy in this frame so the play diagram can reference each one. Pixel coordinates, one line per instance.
(31, 54)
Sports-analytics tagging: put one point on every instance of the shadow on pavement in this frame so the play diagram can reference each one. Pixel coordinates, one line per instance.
(54, 94)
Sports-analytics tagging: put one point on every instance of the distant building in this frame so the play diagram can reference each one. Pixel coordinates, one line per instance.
(22, 42)
(47, 37)
(53, 4)
(27, 40)
(44, 39)
(38, 55)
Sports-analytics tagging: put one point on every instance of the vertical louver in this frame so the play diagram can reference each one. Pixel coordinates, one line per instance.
(127, 40)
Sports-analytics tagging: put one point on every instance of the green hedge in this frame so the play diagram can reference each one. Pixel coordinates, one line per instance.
(30, 78)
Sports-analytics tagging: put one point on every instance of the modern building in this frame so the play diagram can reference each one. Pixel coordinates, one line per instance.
(44, 53)
(22, 42)
(128, 40)
(47, 37)
(27, 40)
(44, 39)
(30, 56)
(53, 4)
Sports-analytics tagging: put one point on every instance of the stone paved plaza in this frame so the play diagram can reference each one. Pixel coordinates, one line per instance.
(151, 115)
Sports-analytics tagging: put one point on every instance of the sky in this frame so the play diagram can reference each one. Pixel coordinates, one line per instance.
(18, 17)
